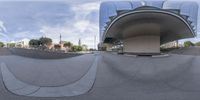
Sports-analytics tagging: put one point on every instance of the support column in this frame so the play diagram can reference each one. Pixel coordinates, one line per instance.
(142, 44)
(108, 46)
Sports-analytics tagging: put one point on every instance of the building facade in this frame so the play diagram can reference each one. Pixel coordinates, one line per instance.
(142, 26)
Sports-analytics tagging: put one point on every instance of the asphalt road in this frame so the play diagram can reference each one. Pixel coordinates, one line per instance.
(187, 51)
(121, 77)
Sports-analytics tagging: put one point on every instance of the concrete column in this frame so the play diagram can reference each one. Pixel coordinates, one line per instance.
(108, 46)
(142, 44)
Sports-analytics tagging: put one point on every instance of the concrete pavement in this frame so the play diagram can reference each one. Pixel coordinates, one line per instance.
(187, 51)
(48, 72)
(121, 77)
(79, 87)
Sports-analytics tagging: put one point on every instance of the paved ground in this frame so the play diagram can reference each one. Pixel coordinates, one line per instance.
(187, 51)
(40, 54)
(48, 72)
(121, 77)
(4, 52)
(81, 86)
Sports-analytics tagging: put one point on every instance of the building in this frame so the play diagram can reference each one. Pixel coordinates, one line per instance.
(24, 43)
(142, 26)
(173, 44)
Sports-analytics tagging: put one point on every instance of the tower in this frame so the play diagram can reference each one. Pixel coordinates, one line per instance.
(60, 38)
(79, 42)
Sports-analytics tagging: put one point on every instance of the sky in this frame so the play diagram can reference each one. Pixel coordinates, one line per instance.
(32, 19)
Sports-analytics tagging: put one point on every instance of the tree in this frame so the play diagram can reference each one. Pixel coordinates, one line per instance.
(197, 44)
(188, 44)
(76, 48)
(57, 46)
(2, 44)
(11, 45)
(85, 47)
(91, 49)
(68, 44)
(45, 41)
(34, 43)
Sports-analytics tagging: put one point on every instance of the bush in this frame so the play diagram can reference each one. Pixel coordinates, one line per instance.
(43, 41)
(197, 44)
(11, 45)
(34, 43)
(76, 48)
(68, 44)
(188, 44)
(2, 44)
(57, 46)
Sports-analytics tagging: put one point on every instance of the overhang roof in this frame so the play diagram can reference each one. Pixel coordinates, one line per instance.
(169, 24)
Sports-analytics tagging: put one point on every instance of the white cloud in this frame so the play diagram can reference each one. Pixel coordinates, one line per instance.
(83, 23)
(3, 32)
(3, 37)
(87, 7)
(24, 35)
(67, 1)
(73, 33)
(80, 26)
(54, 33)
(2, 27)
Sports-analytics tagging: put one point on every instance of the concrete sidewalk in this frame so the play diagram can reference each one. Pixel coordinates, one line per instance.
(121, 77)
(48, 72)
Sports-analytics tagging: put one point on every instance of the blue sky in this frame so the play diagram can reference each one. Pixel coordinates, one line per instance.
(33, 19)
(74, 19)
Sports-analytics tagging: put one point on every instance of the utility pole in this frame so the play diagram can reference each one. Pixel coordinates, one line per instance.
(60, 38)
(94, 41)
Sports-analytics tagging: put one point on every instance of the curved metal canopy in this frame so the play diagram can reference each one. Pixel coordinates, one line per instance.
(149, 21)
(169, 19)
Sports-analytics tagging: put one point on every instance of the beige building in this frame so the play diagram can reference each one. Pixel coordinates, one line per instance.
(24, 43)
(172, 44)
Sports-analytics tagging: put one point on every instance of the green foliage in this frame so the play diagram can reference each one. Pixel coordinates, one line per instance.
(197, 44)
(11, 45)
(2, 44)
(76, 48)
(68, 44)
(168, 49)
(34, 43)
(91, 49)
(188, 44)
(85, 47)
(45, 41)
(57, 46)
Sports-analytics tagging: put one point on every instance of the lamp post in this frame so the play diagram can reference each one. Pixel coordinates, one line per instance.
(94, 41)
